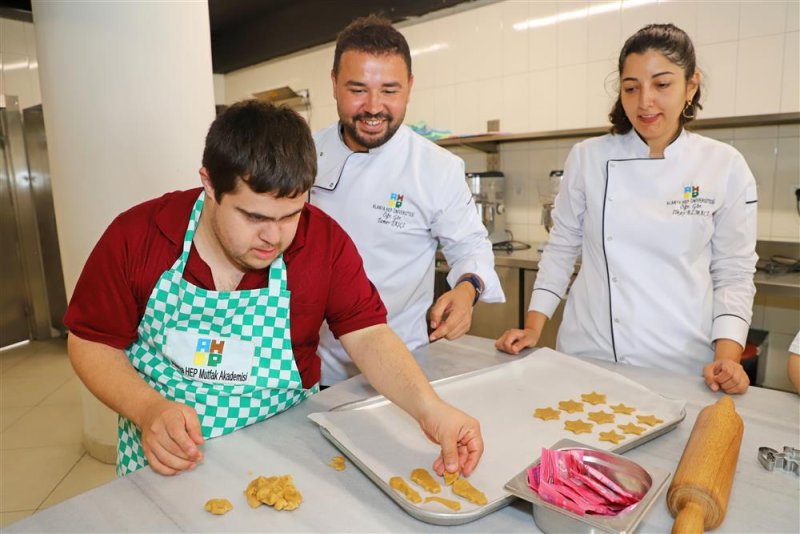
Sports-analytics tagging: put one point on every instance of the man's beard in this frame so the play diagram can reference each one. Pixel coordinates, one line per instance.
(371, 142)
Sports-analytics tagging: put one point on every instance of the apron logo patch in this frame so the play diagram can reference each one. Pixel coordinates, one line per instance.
(209, 352)
(691, 191)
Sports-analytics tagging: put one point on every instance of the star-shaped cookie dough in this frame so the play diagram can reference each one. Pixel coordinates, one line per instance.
(621, 408)
(570, 406)
(601, 417)
(650, 420)
(611, 436)
(547, 414)
(594, 398)
(578, 427)
(630, 428)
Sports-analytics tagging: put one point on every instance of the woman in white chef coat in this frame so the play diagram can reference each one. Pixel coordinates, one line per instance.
(665, 223)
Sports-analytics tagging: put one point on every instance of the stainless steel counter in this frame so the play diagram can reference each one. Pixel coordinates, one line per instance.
(334, 501)
(788, 283)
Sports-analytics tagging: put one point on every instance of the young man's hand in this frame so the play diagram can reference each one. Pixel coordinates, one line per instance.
(459, 436)
(171, 434)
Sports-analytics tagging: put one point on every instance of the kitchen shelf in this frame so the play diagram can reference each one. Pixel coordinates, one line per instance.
(488, 142)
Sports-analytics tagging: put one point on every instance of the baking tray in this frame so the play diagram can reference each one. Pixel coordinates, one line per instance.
(383, 441)
(551, 518)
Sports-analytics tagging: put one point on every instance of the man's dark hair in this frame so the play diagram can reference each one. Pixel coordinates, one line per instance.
(373, 35)
(268, 147)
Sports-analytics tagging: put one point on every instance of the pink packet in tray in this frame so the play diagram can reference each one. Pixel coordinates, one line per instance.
(548, 493)
(563, 479)
(584, 504)
(533, 477)
(602, 490)
(585, 491)
(613, 486)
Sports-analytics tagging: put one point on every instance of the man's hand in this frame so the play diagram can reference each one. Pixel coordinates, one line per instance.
(459, 436)
(514, 340)
(391, 369)
(170, 435)
(726, 373)
(451, 315)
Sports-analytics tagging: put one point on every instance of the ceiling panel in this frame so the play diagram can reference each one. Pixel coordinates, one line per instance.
(247, 32)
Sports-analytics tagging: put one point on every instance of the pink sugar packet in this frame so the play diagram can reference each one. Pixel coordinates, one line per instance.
(613, 486)
(563, 479)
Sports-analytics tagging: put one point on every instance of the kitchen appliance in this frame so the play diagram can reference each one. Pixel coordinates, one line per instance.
(548, 190)
(488, 191)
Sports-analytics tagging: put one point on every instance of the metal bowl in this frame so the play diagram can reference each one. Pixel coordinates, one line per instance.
(644, 483)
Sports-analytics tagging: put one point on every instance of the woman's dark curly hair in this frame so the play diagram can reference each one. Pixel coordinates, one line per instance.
(676, 46)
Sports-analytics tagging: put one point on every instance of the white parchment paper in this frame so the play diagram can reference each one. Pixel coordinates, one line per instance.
(503, 398)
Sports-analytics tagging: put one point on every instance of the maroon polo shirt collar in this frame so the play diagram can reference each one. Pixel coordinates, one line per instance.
(173, 219)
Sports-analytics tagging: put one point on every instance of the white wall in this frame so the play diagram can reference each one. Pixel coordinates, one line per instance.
(128, 97)
(219, 89)
(473, 66)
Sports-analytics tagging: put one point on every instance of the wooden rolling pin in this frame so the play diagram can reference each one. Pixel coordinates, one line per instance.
(698, 495)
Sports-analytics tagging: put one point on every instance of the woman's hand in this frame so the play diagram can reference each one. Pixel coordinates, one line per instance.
(514, 340)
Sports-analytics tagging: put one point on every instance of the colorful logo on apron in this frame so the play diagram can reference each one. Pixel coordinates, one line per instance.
(209, 351)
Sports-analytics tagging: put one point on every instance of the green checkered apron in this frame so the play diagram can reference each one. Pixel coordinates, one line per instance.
(188, 338)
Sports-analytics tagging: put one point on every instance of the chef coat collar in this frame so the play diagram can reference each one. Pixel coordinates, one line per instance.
(173, 217)
(377, 150)
(641, 149)
(332, 160)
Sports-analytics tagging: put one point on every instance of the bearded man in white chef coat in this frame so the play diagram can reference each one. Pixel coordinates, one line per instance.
(398, 195)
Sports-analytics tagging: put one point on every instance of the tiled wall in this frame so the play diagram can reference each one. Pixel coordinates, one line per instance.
(19, 70)
(772, 152)
(473, 66)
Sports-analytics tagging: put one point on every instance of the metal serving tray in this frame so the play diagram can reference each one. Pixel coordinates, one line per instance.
(634, 477)
(383, 441)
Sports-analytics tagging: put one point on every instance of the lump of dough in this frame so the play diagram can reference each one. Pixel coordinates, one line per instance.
(423, 479)
(218, 506)
(453, 505)
(278, 492)
(464, 489)
(400, 485)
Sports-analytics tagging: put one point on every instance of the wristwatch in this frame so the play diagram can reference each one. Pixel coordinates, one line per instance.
(476, 283)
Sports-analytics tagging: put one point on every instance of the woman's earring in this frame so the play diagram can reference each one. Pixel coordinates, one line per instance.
(688, 111)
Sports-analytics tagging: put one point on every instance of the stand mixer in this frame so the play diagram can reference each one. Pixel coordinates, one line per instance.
(488, 191)
(548, 190)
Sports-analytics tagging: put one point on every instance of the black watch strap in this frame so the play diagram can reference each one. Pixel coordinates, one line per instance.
(476, 283)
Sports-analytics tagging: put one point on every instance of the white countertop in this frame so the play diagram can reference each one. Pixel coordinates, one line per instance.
(334, 501)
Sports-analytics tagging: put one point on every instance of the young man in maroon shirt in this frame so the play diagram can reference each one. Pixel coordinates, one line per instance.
(174, 280)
